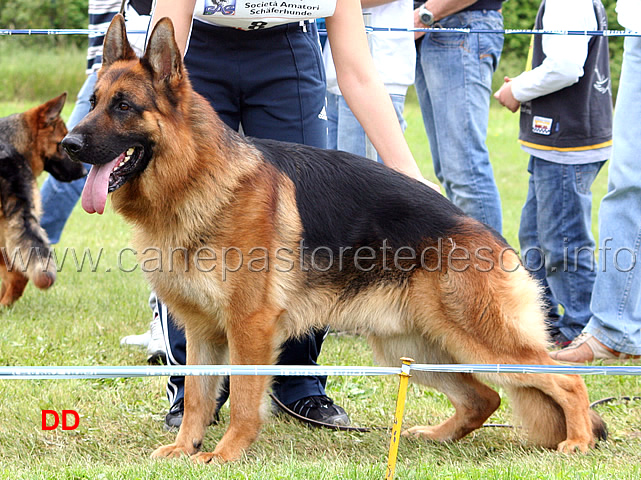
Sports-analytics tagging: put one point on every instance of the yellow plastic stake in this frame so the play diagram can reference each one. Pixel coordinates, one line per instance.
(398, 417)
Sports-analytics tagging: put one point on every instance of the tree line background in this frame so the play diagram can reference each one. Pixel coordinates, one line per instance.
(518, 14)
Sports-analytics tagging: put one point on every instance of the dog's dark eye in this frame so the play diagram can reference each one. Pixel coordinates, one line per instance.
(123, 106)
(92, 102)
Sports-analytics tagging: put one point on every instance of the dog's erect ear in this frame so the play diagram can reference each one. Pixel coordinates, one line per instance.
(116, 46)
(49, 111)
(163, 54)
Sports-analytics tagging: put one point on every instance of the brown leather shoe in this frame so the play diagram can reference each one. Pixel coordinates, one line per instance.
(586, 348)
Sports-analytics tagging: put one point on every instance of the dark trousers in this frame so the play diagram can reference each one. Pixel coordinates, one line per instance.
(272, 82)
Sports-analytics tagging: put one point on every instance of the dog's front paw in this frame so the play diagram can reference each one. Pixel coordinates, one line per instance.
(573, 446)
(171, 451)
(207, 457)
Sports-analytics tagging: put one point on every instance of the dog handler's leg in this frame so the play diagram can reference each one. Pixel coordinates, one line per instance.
(200, 396)
(251, 342)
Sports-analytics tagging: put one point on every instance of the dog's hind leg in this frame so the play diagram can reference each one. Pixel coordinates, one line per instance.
(13, 285)
(473, 401)
(251, 342)
(200, 395)
(554, 410)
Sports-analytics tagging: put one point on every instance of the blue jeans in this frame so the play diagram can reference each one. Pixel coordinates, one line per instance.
(556, 239)
(59, 198)
(616, 298)
(454, 86)
(343, 130)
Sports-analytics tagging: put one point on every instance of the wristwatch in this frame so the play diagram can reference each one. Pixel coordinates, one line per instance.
(425, 16)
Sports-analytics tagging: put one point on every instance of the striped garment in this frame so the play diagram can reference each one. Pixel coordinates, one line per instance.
(100, 14)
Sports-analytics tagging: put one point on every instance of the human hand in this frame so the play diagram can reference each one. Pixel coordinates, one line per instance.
(418, 24)
(432, 185)
(505, 97)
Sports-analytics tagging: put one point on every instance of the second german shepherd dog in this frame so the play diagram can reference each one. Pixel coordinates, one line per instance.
(273, 239)
(29, 145)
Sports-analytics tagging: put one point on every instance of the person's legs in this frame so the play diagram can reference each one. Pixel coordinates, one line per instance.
(427, 110)
(563, 224)
(350, 136)
(532, 254)
(221, 89)
(332, 120)
(616, 297)
(454, 86)
(60, 198)
(285, 102)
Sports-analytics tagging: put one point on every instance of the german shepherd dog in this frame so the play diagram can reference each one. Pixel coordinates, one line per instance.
(29, 144)
(297, 238)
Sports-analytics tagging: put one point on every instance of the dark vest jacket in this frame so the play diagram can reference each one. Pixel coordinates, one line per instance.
(578, 117)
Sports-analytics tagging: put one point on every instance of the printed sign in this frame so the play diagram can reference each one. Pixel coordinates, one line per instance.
(542, 125)
(258, 14)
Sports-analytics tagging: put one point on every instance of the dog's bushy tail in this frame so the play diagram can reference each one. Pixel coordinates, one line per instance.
(540, 416)
(27, 248)
(543, 419)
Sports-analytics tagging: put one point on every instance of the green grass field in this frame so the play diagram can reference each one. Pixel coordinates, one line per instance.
(80, 322)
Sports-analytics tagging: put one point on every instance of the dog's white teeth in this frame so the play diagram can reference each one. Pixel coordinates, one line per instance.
(128, 155)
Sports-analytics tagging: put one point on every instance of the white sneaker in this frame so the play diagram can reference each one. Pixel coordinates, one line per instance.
(141, 340)
(156, 346)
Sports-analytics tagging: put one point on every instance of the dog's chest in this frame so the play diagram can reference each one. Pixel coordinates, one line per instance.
(181, 273)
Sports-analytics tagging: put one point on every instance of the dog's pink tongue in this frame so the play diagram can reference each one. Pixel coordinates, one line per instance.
(94, 195)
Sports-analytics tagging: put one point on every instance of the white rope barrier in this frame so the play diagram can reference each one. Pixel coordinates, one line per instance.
(561, 369)
(65, 372)
(369, 29)
(69, 372)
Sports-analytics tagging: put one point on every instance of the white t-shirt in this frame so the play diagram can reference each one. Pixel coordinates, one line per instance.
(629, 14)
(257, 14)
(565, 55)
(394, 53)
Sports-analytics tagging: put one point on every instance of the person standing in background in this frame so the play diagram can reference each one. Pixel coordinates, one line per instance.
(566, 127)
(614, 330)
(262, 69)
(59, 198)
(454, 85)
(395, 59)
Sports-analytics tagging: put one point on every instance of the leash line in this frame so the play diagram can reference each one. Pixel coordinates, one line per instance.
(368, 29)
(69, 372)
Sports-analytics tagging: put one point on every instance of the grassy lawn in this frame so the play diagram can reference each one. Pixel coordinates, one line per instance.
(80, 322)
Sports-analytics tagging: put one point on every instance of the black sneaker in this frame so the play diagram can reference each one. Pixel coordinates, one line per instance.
(174, 417)
(320, 408)
(559, 340)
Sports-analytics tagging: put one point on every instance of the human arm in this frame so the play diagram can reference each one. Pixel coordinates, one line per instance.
(363, 89)
(374, 3)
(565, 55)
(180, 12)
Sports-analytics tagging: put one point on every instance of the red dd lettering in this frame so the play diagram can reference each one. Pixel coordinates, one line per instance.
(64, 419)
(44, 419)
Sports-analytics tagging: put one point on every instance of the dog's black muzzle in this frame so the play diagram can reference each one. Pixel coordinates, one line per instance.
(73, 144)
